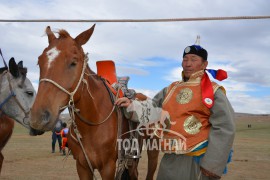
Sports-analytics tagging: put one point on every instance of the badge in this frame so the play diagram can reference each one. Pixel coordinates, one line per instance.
(184, 96)
(192, 125)
(208, 101)
(187, 49)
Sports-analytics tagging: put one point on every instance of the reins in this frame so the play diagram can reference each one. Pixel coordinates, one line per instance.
(88, 122)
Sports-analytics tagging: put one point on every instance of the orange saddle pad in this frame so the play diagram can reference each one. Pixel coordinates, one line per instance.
(106, 69)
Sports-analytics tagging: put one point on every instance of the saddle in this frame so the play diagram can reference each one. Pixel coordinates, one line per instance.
(106, 69)
(119, 87)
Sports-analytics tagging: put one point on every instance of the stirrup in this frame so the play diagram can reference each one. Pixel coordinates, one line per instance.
(130, 156)
(133, 152)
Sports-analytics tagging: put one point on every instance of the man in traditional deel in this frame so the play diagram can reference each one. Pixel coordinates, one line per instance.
(198, 144)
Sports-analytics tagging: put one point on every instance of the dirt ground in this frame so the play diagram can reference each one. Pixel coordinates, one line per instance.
(30, 158)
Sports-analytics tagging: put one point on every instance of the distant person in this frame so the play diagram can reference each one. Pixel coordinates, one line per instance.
(56, 136)
(64, 133)
(199, 111)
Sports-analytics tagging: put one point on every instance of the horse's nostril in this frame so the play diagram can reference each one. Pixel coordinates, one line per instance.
(34, 132)
(45, 116)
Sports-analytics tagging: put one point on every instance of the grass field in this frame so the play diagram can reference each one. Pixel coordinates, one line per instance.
(30, 158)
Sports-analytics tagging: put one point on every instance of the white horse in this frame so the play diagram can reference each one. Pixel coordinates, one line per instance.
(17, 93)
(16, 98)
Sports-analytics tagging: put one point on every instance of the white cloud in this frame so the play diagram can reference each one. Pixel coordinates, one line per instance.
(241, 47)
(245, 103)
(147, 92)
(174, 75)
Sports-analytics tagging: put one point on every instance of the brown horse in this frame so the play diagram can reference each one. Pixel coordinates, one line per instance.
(16, 97)
(67, 81)
(6, 129)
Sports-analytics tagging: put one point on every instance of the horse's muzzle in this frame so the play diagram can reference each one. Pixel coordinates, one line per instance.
(34, 132)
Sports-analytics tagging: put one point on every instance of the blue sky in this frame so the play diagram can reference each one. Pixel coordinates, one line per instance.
(151, 53)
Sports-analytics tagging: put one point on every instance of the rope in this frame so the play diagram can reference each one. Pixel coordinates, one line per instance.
(57, 85)
(78, 136)
(87, 88)
(140, 20)
(98, 123)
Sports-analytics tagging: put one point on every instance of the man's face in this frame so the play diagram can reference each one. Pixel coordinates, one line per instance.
(192, 63)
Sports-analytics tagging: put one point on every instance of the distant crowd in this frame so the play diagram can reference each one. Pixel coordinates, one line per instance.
(59, 133)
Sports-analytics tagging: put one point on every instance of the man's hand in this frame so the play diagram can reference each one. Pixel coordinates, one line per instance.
(209, 174)
(123, 102)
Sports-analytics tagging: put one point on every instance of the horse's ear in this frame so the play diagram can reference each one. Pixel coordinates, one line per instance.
(50, 34)
(13, 68)
(82, 38)
(20, 64)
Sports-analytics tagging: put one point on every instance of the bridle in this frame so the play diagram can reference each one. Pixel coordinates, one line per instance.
(13, 95)
(71, 94)
(71, 103)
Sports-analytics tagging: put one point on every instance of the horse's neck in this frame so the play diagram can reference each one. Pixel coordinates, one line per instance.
(95, 101)
(4, 87)
(5, 93)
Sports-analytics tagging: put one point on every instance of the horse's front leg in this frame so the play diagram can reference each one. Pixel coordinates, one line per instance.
(108, 171)
(84, 173)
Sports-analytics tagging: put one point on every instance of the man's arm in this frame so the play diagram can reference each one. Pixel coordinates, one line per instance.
(159, 97)
(221, 135)
(143, 111)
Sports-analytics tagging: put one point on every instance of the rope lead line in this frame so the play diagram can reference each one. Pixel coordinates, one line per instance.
(140, 20)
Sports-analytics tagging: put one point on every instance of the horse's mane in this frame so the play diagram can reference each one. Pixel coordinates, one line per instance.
(63, 34)
(3, 69)
(23, 70)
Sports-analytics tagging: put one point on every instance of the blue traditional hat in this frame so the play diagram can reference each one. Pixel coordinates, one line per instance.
(196, 49)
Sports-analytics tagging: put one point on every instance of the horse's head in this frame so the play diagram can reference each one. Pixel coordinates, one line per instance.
(16, 92)
(62, 65)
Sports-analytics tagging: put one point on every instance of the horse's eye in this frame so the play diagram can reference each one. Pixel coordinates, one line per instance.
(30, 93)
(74, 63)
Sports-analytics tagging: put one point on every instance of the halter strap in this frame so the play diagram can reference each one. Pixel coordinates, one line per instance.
(7, 99)
(13, 94)
(17, 101)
